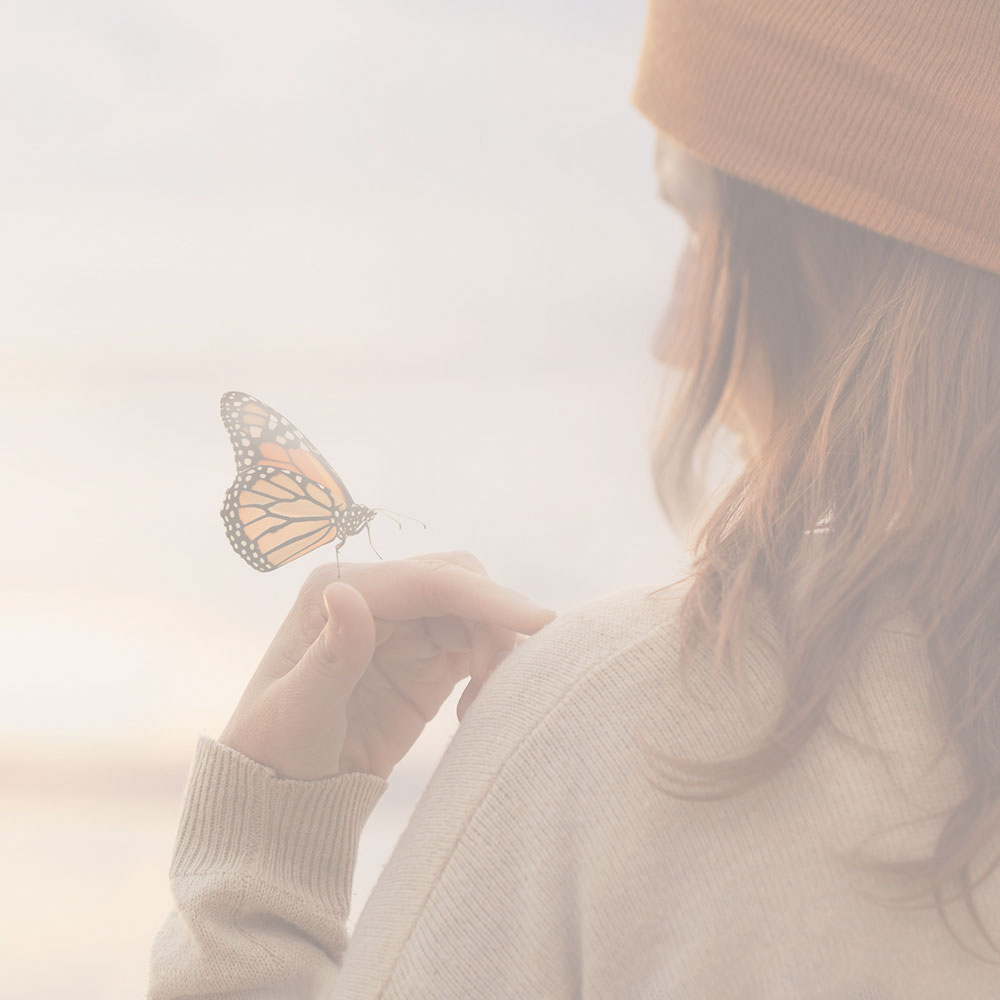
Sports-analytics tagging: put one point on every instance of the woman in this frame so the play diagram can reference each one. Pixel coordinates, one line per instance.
(778, 777)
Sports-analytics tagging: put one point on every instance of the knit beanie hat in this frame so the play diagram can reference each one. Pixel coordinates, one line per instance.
(885, 113)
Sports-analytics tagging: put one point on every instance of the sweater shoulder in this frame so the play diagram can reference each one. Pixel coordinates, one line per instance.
(603, 628)
(599, 637)
(620, 656)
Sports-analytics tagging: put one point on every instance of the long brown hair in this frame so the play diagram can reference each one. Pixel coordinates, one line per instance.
(885, 363)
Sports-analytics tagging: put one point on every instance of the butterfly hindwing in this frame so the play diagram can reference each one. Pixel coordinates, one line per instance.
(271, 518)
(286, 500)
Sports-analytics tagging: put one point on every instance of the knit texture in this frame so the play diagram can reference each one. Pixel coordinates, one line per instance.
(542, 863)
(886, 114)
(261, 875)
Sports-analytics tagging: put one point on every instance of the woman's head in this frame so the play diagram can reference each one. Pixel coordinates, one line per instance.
(783, 244)
(761, 297)
(863, 376)
(693, 189)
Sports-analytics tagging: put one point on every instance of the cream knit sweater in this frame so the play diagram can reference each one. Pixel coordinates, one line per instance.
(540, 861)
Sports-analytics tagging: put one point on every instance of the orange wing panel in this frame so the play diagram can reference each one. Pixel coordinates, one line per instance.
(299, 508)
(273, 454)
(281, 556)
(309, 465)
(286, 482)
(255, 529)
(253, 415)
(248, 513)
(268, 488)
(318, 494)
(301, 531)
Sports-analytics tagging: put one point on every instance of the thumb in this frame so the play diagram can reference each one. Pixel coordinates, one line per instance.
(340, 654)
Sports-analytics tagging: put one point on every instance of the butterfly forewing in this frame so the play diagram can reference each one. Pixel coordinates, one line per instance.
(286, 500)
(262, 436)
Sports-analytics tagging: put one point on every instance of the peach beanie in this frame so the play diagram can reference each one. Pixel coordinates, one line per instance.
(882, 112)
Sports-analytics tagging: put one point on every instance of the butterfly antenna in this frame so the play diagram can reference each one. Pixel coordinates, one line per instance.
(392, 515)
(391, 518)
(368, 528)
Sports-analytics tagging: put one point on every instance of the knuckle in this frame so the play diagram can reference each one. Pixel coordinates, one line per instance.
(458, 557)
(431, 579)
(437, 579)
(437, 582)
(468, 561)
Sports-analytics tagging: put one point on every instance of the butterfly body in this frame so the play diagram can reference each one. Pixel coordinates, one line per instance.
(286, 500)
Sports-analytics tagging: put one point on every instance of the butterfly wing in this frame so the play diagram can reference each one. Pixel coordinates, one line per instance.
(263, 437)
(286, 500)
(273, 516)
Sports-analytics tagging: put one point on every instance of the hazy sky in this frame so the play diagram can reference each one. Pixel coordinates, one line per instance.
(426, 232)
(184, 180)
(378, 216)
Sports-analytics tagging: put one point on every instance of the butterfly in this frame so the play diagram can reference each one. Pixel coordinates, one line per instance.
(286, 500)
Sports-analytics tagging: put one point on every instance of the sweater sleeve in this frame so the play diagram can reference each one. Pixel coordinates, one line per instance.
(261, 878)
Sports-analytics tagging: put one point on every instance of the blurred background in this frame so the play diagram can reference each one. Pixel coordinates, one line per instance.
(428, 233)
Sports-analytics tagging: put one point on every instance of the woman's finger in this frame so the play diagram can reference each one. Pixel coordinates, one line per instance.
(448, 632)
(468, 696)
(490, 647)
(419, 638)
(384, 630)
(434, 588)
(490, 644)
(450, 589)
(295, 723)
(405, 640)
(334, 662)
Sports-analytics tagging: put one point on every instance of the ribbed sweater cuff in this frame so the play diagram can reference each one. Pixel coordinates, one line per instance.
(300, 836)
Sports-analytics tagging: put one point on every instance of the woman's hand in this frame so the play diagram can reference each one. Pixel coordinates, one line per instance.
(362, 663)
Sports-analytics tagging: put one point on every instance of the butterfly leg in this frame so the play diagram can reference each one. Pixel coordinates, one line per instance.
(368, 528)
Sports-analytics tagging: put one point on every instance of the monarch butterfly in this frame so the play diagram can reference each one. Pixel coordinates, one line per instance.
(286, 500)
